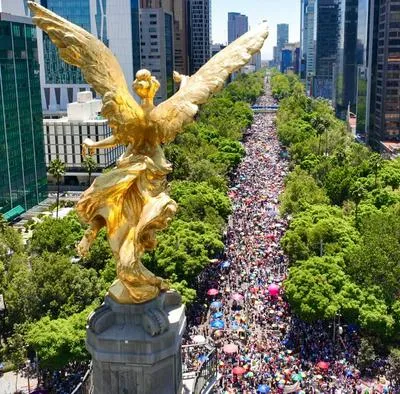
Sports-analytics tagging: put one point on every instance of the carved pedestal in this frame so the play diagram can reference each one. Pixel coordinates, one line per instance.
(136, 349)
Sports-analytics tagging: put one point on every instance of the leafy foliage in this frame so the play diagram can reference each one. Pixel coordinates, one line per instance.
(343, 199)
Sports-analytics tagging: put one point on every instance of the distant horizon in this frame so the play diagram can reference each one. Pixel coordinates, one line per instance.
(258, 11)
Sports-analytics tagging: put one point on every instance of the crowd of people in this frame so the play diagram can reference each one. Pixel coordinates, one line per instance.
(241, 309)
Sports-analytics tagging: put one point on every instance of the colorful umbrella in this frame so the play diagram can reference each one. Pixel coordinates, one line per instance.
(202, 358)
(297, 377)
(323, 365)
(226, 264)
(273, 289)
(230, 348)
(216, 304)
(212, 292)
(198, 339)
(237, 297)
(238, 370)
(249, 374)
(217, 315)
(263, 388)
(217, 324)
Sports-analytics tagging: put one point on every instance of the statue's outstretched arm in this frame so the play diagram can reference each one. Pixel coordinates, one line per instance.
(89, 146)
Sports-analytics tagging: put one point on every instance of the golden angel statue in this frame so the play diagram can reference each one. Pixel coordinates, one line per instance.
(131, 200)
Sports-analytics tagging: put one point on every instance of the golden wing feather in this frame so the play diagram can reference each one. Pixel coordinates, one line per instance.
(99, 66)
(172, 115)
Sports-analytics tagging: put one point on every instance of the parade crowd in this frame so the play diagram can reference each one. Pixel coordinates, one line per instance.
(241, 308)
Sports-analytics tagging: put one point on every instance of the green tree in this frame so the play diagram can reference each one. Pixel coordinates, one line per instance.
(15, 352)
(301, 191)
(198, 201)
(318, 288)
(57, 169)
(184, 250)
(366, 354)
(376, 260)
(57, 236)
(62, 287)
(393, 373)
(89, 165)
(58, 342)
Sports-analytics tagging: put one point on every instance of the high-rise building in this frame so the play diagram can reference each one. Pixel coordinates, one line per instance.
(286, 59)
(64, 137)
(290, 57)
(282, 35)
(384, 69)
(308, 42)
(256, 60)
(238, 24)
(179, 10)
(346, 62)
(23, 182)
(116, 23)
(327, 37)
(199, 33)
(215, 48)
(157, 38)
(362, 56)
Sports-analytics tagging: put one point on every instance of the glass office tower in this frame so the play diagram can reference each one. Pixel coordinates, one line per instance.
(23, 181)
(116, 24)
(346, 63)
(327, 37)
(362, 56)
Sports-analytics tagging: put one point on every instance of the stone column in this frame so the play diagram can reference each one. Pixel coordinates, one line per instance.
(136, 349)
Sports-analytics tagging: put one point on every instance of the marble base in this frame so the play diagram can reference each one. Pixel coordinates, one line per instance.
(136, 349)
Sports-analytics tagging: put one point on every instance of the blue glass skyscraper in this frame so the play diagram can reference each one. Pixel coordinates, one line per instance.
(116, 26)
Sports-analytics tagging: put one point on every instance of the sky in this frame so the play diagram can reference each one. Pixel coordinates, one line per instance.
(281, 11)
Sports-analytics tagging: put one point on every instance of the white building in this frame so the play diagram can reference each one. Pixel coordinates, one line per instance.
(157, 48)
(64, 137)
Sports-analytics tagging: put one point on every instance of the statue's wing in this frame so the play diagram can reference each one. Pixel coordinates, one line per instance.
(99, 66)
(180, 109)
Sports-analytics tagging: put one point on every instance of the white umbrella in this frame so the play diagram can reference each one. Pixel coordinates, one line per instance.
(198, 339)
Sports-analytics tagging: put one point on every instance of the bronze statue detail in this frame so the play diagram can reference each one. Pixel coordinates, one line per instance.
(131, 200)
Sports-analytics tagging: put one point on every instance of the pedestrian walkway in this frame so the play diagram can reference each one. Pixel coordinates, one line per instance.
(9, 383)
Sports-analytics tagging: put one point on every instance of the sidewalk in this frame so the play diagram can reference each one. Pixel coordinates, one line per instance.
(8, 380)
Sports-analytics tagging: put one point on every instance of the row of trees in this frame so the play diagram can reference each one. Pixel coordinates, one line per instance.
(49, 291)
(343, 240)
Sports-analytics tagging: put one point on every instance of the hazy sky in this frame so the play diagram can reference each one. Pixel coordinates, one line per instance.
(280, 11)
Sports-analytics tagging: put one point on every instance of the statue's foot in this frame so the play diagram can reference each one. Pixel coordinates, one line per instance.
(126, 293)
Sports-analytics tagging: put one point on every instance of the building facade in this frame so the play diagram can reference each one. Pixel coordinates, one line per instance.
(157, 50)
(286, 60)
(23, 182)
(115, 23)
(308, 42)
(64, 137)
(362, 56)
(238, 24)
(282, 36)
(199, 33)
(327, 40)
(386, 125)
(346, 62)
(179, 10)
